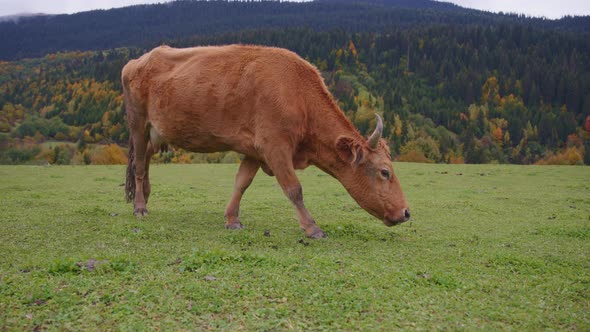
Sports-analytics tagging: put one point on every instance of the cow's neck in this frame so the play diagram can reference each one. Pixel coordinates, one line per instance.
(326, 130)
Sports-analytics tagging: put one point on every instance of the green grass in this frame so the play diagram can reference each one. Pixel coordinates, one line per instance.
(488, 248)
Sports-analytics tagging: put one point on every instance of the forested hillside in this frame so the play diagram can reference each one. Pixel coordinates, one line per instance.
(145, 25)
(453, 85)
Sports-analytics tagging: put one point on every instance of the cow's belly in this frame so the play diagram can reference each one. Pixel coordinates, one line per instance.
(205, 139)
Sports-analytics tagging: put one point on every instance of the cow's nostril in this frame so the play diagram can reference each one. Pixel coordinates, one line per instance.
(407, 214)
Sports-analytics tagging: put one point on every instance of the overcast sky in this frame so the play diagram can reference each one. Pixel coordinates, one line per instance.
(546, 8)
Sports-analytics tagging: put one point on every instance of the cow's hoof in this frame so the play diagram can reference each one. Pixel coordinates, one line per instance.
(234, 225)
(140, 212)
(316, 233)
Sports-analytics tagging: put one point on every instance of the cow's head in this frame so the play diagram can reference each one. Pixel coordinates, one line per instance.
(369, 178)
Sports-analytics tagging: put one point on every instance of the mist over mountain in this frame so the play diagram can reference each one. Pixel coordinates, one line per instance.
(15, 18)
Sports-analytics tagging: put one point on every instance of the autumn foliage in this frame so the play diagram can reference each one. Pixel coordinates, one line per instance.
(441, 101)
(571, 156)
(414, 156)
(110, 154)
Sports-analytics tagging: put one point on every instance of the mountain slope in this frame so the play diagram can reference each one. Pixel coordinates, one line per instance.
(146, 25)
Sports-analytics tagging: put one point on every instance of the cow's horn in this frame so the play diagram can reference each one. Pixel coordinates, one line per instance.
(376, 135)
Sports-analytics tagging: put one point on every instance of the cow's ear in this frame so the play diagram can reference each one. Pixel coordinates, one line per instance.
(349, 150)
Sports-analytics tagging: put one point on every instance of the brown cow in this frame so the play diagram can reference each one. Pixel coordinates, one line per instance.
(266, 103)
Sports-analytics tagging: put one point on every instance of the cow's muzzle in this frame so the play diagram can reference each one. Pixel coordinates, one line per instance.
(393, 221)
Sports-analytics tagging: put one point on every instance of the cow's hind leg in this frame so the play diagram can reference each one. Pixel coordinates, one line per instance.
(246, 173)
(147, 188)
(140, 142)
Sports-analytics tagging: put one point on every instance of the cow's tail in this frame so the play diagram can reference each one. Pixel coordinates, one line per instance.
(130, 178)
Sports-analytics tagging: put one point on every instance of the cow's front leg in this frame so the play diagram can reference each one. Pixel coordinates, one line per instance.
(308, 225)
(285, 174)
(246, 173)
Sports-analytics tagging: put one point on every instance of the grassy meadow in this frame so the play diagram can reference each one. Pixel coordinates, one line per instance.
(489, 247)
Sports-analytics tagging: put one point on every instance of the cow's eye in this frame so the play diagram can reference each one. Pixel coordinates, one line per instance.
(385, 173)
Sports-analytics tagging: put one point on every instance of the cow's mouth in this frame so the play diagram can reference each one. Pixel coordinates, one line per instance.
(388, 220)
(393, 222)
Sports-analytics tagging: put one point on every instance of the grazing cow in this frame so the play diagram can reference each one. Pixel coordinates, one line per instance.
(266, 103)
